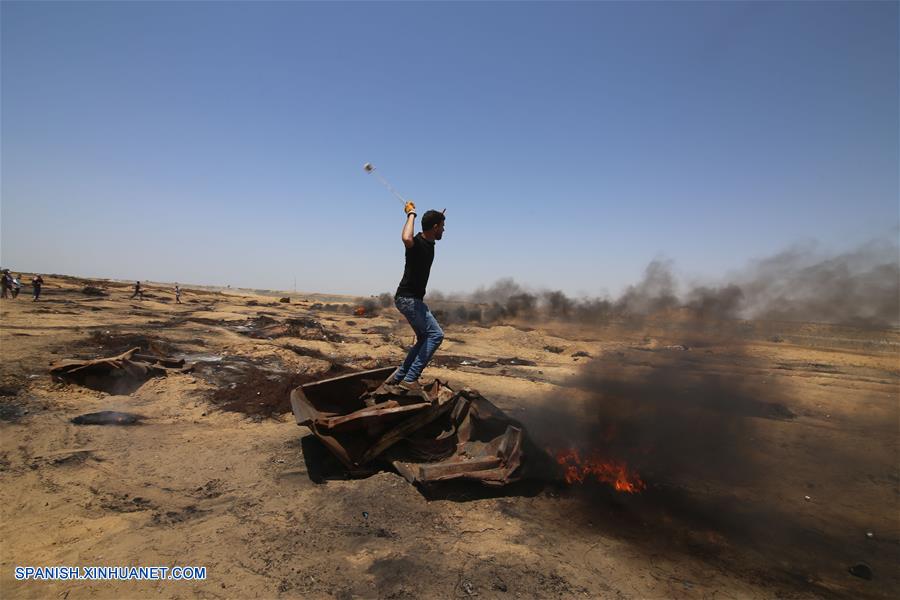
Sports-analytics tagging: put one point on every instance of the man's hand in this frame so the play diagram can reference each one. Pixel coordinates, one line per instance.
(409, 225)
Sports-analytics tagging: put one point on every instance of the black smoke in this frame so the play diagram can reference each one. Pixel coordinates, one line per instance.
(857, 288)
(861, 287)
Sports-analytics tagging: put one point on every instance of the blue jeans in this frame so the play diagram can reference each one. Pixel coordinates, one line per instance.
(429, 336)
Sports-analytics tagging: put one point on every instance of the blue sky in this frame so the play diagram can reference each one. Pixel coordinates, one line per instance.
(571, 143)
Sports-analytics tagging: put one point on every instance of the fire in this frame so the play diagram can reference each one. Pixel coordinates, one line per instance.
(360, 311)
(613, 472)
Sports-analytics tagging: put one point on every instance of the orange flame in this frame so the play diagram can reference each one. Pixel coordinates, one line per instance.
(613, 472)
(360, 311)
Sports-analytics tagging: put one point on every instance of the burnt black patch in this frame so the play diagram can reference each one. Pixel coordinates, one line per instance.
(10, 412)
(108, 417)
(454, 361)
(396, 576)
(10, 389)
(262, 393)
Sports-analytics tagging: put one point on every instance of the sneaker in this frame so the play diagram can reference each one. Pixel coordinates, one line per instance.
(411, 386)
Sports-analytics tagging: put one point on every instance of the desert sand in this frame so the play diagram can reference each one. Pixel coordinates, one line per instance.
(780, 477)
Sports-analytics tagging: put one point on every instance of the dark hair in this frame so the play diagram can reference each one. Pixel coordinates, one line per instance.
(431, 218)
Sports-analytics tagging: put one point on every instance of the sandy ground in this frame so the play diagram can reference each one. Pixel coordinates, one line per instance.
(810, 467)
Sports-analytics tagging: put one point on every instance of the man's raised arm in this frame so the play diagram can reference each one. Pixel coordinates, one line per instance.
(409, 226)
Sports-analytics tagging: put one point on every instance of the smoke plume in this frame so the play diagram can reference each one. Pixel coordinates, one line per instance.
(861, 287)
(858, 288)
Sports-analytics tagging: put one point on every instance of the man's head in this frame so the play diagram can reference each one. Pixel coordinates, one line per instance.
(433, 224)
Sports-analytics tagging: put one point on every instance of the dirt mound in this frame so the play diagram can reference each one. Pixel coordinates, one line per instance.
(91, 290)
(105, 343)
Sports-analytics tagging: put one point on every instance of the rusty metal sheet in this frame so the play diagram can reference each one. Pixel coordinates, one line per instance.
(437, 435)
(496, 462)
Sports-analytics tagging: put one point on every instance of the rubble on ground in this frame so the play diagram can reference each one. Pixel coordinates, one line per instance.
(92, 290)
(117, 374)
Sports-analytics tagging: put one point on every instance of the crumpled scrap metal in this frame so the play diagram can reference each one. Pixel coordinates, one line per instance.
(436, 435)
(101, 373)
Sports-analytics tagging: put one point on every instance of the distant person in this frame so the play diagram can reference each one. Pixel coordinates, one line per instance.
(36, 283)
(137, 291)
(177, 294)
(5, 283)
(410, 295)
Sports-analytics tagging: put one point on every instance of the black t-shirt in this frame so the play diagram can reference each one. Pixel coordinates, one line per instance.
(418, 267)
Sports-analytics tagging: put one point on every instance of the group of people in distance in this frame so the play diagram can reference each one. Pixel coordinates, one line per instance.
(11, 286)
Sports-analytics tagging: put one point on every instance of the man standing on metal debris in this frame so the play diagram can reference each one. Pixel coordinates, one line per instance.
(410, 295)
